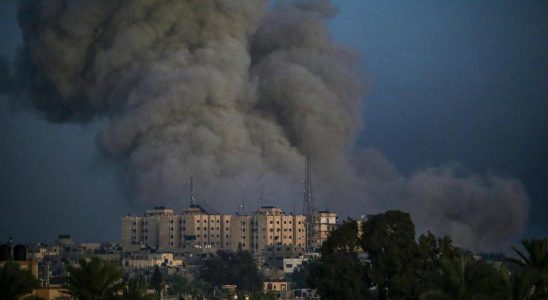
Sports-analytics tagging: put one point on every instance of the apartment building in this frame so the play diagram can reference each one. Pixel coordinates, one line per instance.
(321, 224)
(161, 228)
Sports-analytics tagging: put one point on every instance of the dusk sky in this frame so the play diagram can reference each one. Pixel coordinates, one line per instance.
(458, 82)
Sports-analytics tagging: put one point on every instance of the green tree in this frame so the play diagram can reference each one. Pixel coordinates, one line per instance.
(463, 278)
(299, 276)
(521, 284)
(15, 282)
(94, 280)
(178, 284)
(157, 280)
(136, 289)
(534, 260)
(237, 268)
(339, 273)
(389, 241)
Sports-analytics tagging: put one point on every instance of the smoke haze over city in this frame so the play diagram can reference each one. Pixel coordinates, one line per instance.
(235, 94)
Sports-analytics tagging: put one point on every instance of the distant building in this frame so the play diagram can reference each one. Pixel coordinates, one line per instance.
(275, 255)
(291, 264)
(321, 224)
(144, 260)
(195, 228)
(279, 289)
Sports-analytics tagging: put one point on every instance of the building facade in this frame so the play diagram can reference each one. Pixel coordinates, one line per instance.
(322, 223)
(194, 228)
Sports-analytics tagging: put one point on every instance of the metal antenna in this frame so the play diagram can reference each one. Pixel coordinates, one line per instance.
(308, 207)
(242, 204)
(191, 192)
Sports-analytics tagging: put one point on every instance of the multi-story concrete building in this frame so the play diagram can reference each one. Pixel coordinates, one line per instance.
(161, 228)
(321, 225)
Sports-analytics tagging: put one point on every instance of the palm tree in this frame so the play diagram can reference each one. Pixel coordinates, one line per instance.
(521, 284)
(14, 282)
(136, 289)
(534, 260)
(94, 280)
(463, 278)
(535, 255)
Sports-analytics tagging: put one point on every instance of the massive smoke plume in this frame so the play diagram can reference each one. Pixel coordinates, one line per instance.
(236, 93)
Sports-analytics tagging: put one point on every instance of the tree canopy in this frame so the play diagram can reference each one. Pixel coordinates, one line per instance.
(15, 282)
(95, 279)
(381, 259)
(228, 267)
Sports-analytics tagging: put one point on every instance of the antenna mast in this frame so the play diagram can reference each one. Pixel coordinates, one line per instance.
(191, 192)
(308, 207)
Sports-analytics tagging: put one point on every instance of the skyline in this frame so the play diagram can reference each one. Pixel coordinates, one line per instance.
(400, 109)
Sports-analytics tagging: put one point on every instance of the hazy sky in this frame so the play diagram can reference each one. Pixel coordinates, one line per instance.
(449, 81)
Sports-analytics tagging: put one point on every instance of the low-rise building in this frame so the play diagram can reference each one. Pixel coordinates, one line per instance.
(291, 264)
(144, 260)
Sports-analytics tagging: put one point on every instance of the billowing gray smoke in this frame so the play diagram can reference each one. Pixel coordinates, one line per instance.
(236, 93)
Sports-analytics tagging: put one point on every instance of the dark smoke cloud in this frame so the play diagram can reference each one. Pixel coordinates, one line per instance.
(236, 93)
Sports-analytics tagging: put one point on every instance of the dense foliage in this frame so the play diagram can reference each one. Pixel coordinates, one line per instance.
(381, 259)
(15, 282)
(238, 268)
(136, 289)
(95, 279)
